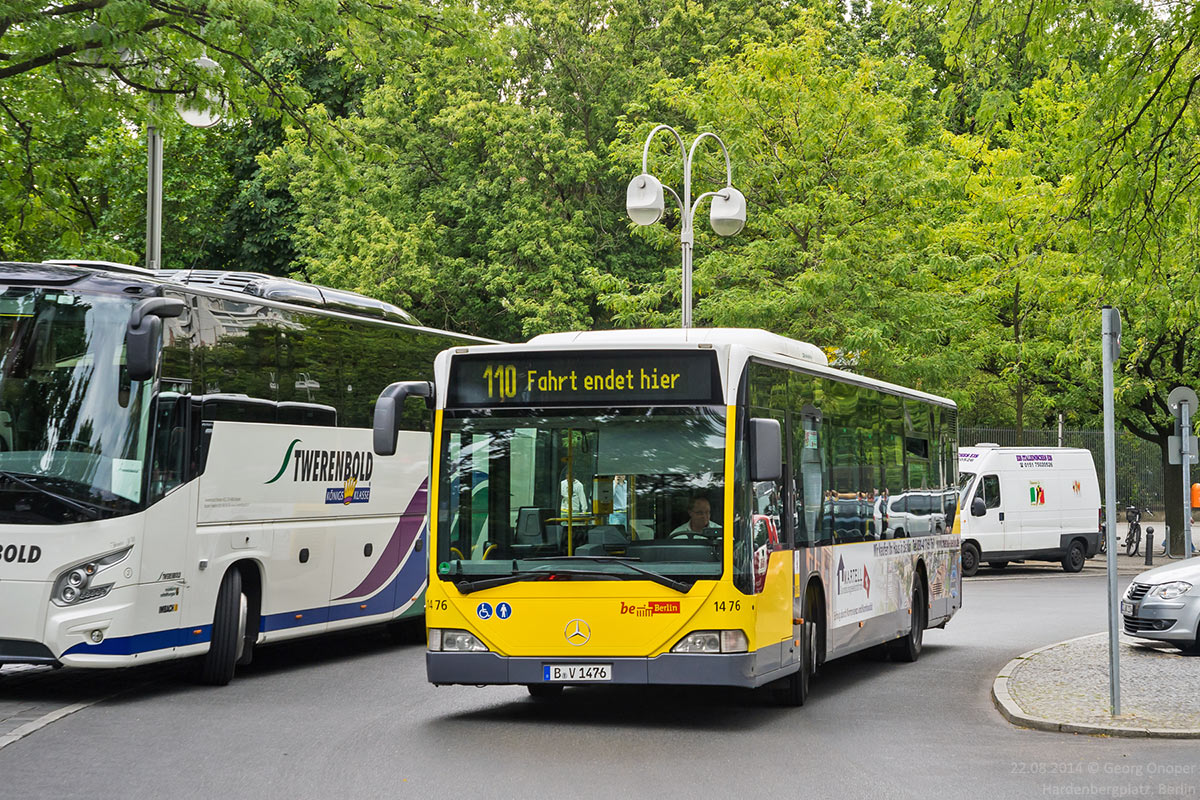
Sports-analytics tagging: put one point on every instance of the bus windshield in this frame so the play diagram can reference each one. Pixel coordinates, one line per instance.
(72, 426)
(583, 495)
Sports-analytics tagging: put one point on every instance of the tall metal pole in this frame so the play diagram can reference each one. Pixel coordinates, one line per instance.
(1185, 424)
(154, 189)
(686, 237)
(1112, 343)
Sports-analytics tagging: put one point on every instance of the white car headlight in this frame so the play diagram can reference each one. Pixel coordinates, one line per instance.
(1169, 591)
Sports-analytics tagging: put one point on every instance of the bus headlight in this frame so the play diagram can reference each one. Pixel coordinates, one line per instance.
(452, 641)
(77, 583)
(713, 642)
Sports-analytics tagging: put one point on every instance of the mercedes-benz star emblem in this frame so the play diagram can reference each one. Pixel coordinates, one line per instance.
(577, 632)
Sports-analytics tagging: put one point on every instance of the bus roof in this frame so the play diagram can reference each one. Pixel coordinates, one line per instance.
(752, 338)
(267, 287)
(748, 342)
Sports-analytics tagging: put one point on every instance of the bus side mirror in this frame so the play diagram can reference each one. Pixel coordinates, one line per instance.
(143, 337)
(766, 445)
(388, 409)
(978, 507)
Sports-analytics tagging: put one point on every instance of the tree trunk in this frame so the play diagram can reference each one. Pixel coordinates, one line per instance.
(1173, 499)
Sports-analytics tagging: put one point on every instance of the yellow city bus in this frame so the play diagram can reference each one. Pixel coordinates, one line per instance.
(703, 506)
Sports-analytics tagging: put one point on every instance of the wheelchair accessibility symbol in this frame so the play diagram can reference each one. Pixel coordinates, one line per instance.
(503, 610)
(484, 611)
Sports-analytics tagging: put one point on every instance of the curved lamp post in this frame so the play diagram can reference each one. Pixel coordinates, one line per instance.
(645, 204)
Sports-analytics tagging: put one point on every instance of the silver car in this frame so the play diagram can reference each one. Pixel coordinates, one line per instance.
(1164, 604)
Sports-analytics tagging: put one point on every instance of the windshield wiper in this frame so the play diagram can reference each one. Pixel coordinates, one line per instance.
(625, 561)
(466, 587)
(90, 509)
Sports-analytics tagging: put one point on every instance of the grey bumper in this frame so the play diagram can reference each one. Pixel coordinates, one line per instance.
(735, 669)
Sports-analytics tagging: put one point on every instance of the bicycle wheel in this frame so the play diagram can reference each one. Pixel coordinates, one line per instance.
(1132, 541)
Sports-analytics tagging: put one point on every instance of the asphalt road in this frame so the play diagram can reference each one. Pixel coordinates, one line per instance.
(352, 716)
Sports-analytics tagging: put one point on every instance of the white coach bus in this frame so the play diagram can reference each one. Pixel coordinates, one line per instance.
(186, 465)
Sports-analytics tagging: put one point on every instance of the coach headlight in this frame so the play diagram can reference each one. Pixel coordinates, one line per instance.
(713, 642)
(453, 641)
(78, 583)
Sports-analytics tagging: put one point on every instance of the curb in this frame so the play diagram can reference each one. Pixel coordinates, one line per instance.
(1013, 713)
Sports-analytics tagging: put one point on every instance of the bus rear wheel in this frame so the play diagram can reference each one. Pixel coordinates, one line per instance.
(228, 632)
(908, 648)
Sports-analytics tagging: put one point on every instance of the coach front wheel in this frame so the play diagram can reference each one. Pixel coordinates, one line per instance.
(228, 632)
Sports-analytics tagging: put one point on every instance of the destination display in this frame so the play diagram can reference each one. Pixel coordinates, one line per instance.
(590, 378)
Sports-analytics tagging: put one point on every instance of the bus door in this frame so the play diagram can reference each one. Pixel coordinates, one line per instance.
(772, 560)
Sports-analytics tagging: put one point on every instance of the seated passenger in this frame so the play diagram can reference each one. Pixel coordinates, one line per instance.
(699, 519)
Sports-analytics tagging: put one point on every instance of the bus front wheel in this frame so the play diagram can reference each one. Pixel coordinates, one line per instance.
(228, 632)
(794, 688)
(544, 691)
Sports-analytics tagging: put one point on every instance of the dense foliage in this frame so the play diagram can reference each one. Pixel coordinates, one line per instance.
(941, 194)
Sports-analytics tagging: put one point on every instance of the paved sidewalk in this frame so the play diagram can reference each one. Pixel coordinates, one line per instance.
(1065, 687)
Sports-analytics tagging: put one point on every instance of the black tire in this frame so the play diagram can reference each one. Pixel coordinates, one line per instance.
(793, 690)
(970, 559)
(544, 691)
(1192, 649)
(1076, 555)
(1132, 544)
(408, 630)
(908, 647)
(219, 662)
(998, 564)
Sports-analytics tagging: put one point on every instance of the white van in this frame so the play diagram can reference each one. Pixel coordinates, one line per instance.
(1027, 504)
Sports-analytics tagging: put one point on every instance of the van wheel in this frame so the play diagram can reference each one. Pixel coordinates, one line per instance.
(997, 564)
(970, 559)
(908, 648)
(1073, 560)
(228, 632)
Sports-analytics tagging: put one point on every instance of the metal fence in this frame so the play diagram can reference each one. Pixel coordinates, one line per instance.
(1139, 463)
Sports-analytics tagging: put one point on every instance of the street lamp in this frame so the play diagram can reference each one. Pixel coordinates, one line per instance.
(199, 113)
(644, 202)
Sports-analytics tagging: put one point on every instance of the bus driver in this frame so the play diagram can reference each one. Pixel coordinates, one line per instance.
(699, 519)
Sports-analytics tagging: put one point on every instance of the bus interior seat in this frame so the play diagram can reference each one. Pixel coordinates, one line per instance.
(531, 525)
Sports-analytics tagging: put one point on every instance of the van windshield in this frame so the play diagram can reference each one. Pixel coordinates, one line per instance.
(964, 483)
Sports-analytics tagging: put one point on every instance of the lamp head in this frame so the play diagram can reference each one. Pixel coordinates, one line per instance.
(727, 212)
(644, 199)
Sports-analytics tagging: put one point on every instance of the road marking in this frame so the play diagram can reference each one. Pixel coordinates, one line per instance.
(51, 717)
(44, 720)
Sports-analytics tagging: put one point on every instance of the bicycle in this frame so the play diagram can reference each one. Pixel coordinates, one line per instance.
(1133, 539)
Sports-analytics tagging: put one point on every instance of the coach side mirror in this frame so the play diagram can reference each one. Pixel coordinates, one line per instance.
(388, 409)
(978, 507)
(143, 337)
(766, 447)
